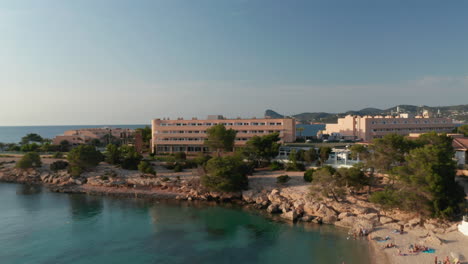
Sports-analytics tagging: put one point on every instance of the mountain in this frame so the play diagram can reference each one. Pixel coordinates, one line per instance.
(456, 112)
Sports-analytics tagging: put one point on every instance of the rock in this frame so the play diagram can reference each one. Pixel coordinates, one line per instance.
(306, 218)
(386, 220)
(261, 199)
(248, 196)
(311, 208)
(275, 192)
(273, 209)
(452, 228)
(325, 211)
(284, 207)
(347, 222)
(414, 222)
(344, 214)
(432, 240)
(358, 210)
(430, 227)
(291, 215)
(329, 219)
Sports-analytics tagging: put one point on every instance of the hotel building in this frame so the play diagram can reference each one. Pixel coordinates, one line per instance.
(367, 128)
(86, 135)
(169, 136)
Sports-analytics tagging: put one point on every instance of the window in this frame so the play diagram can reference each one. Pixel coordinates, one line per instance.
(279, 124)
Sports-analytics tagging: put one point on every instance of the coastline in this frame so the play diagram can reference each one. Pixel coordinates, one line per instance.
(289, 202)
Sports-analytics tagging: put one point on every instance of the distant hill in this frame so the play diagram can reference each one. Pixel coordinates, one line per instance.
(456, 112)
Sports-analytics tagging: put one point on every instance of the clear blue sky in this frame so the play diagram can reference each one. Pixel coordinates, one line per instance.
(117, 62)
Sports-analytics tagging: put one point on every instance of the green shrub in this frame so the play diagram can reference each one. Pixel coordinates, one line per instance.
(75, 171)
(282, 179)
(29, 160)
(58, 165)
(295, 166)
(225, 174)
(82, 158)
(178, 167)
(308, 174)
(275, 165)
(170, 165)
(201, 159)
(104, 177)
(180, 156)
(58, 155)
(145, 167)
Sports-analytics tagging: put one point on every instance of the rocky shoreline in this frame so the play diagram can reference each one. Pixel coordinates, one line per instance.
(290, 202)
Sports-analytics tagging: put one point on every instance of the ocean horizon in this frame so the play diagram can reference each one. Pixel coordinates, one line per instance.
(13, 134)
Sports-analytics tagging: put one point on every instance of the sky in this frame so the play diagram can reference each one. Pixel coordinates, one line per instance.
(126, 62)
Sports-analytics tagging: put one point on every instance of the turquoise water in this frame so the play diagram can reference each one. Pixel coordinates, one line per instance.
(42, 227)
(13, 134)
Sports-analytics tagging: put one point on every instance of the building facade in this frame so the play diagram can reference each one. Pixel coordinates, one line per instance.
(169, 136)
(367, 128)
(86, 135)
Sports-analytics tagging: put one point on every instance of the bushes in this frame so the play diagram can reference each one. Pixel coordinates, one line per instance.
(308, 174)
(29, 160)
(145, 167)
(180, 156)
(82, 158)
(275, 165)
(125, 156)
(178, 167)
(226, 174)
(57, 155)
(58, 165)
(282, 179)
(295, 166)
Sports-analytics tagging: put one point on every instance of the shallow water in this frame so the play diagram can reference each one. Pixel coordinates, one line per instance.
(43, 227)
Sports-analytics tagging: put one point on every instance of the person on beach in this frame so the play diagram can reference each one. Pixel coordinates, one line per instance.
(402, 229)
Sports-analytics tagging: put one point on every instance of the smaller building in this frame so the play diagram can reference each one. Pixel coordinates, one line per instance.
(87, 135)
(460, 145)
(366, 128)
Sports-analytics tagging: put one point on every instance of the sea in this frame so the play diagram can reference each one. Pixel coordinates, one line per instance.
(42, 227)
(13, 134)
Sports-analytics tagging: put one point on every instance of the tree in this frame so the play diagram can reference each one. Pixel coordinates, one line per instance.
(220, 139)
(32, 137)
(262, 148)
(388, 152)
(145, 134)
(353, 178)
(180, 156)
(324, 153)
(29, 160)
(300, 130)
(463, 130)
(310, 155)
(58, 165)
(32, 147)
(425, 178)
(225, 174)
(83, 158)
(326, 182)
(359, 151)
(145, 167)
(130, 158)
(293, 164)
(65, 145)
(95, 142)
(112, 155)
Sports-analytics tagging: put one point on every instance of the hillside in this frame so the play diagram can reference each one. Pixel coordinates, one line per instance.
(456, 112)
